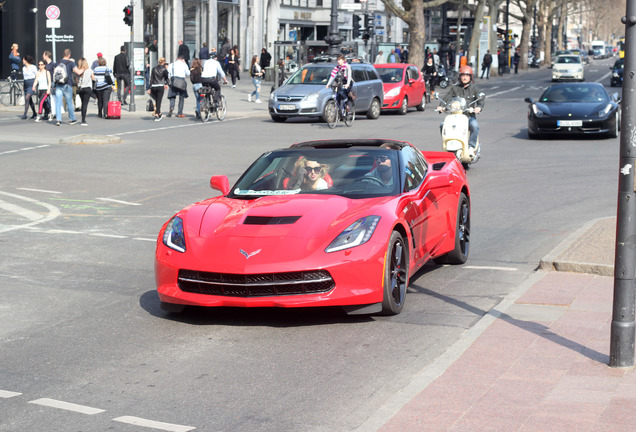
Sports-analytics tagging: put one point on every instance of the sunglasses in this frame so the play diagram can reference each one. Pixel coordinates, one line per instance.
(313, 169)
(382, 158)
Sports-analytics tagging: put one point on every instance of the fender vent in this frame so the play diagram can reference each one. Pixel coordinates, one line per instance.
(270, 220)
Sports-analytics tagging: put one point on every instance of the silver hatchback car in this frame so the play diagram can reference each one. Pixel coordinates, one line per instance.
(304, 93)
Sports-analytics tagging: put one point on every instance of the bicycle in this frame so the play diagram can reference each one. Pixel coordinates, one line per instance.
(345, 111)
(207, 106)
(11, 92)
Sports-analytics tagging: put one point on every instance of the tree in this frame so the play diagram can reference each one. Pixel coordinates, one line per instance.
(412, 13)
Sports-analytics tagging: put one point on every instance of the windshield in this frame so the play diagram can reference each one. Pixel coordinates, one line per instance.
(575, 93)
(569, 59)
(620, 64)
(311, 75)
(391, 75)
(353, 172)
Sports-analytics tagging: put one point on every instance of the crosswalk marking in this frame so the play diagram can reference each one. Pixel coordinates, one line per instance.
(68, 406)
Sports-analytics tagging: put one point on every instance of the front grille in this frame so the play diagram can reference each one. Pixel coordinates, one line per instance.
(255, 285)
(283, 99)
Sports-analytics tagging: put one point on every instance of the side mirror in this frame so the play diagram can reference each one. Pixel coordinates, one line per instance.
(529, 100)
(220, 183)
(411, 80)
(617, 98)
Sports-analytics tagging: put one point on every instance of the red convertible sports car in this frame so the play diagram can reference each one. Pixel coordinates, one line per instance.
(323, 223)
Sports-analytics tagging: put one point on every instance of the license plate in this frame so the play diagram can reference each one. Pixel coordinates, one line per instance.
(286, 107)
(569, 122)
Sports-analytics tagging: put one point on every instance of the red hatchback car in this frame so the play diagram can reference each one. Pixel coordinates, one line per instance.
(403, 87)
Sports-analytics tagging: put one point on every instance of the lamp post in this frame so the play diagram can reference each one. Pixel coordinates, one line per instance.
(506, 68)
(444, 40)
(334, 39)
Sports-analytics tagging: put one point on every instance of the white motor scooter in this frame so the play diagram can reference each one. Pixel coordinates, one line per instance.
(455, 131)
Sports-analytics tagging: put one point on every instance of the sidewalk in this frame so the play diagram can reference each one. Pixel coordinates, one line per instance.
(237, 103)
(537, 362)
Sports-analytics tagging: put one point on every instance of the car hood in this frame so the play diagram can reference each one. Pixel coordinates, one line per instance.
(567, 66)
(299, 89)
(575, 109)
(270, 230)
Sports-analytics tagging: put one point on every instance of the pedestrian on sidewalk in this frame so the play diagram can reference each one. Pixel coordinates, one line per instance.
(104, 83)
(159, 79)
(62, 77)
(233, 66)
(485, 65)
(85, 85)
(257, 74)
(121, 68)
(43, 85)
(195, 79)
(516, 60)
(179, 71)
(501, 58)
(29, 72)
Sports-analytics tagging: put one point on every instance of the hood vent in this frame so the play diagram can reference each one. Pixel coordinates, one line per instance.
(270, 220)
(438, 166)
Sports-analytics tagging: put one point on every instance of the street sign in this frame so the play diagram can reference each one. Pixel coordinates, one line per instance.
(53, 23)
(53, 12)
(351, 6)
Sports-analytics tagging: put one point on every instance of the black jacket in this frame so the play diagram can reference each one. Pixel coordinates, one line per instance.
(121, 65)
(159, 76)
(470, 93)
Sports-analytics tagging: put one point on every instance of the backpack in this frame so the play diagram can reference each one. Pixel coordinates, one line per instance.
(60, 74)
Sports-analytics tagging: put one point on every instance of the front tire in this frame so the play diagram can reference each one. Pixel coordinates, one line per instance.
(396, 275)
(330, 114)
(221, 110)
(614, 131)
(350, 113)
(404, 108)
(459, 255)
(374, 110)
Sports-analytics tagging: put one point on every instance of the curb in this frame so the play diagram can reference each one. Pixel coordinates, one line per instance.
(554, 261)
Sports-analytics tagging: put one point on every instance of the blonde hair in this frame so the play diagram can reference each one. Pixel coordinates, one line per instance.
(82, 63)
(162, 60)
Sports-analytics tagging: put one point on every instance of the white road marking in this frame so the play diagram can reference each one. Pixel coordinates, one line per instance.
(490, 268)
(21, 211)
(145, 239)
(40, 190)
(118, 201)
(82, 409)
(5, 394)
(177, 127)
(25, 149)
(153, 424)
(108, 235)
(53, 212)
(502, 92)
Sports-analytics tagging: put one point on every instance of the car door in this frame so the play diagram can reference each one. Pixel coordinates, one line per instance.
(362, 89)
(417, 87)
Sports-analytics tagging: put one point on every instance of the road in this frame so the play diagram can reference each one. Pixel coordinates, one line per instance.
(85, 347)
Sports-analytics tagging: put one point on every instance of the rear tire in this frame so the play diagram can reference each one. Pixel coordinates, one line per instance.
(422, 105)
(396, 275)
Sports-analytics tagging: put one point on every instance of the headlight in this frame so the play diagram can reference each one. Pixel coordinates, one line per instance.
(537, 111)
(356, 234)
(312, 97)
(605, 111)
(173, 236)
(392, 93)
(271, 96)
(615, 74)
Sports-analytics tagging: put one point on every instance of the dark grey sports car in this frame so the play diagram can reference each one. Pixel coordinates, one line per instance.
(574, 108)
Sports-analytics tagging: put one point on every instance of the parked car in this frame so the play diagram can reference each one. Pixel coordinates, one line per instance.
(404, 87)
(574, 108)
(272, 240)
(616, 80)
(568, 67)
(304, 93)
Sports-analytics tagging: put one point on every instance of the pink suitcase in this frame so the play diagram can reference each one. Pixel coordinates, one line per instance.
(114, 110)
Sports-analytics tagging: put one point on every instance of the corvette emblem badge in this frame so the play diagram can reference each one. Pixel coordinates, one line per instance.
(248, 255)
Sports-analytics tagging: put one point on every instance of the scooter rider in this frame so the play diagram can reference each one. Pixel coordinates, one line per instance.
(466, 89)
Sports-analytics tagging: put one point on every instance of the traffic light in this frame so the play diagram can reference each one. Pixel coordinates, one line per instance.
(368, 23)
(128, 15)
(356, 26)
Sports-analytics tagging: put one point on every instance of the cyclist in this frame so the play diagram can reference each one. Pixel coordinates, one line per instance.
(341, 75)
(430, 74)
(466, 89)
(211, 71)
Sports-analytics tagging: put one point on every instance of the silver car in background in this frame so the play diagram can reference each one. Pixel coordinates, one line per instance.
(304, 93)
